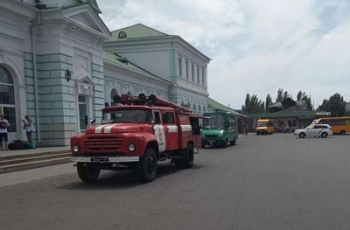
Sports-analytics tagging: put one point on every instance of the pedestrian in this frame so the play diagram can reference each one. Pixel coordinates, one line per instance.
(246, 129)
(287, 128)
(3, 131)
(29, 127)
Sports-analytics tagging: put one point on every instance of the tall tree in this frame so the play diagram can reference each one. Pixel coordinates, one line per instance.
(253, 104)
(302, 96)
(324, 106)
(288, 102)
(268, 102)
(336, 105)
(279, 97)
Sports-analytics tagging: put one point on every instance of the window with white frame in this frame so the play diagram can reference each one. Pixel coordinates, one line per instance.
(187, 70)
(203, 77)
(180, 66)
(7, 98)
(198, 75)
(192, 72)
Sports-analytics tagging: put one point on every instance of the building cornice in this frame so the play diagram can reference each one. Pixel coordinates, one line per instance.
(111, 65)
(169, 40)
(20, 9)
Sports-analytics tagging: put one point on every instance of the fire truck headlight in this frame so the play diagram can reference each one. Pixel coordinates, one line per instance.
(76, 148)
(131, 147)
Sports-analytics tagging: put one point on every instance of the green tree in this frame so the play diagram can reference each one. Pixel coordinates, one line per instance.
(288, 102)
(336, 105)
(302, 96)
(324, 106)
(279, 97)
(253, 104)
(282, 95)
(268, 102)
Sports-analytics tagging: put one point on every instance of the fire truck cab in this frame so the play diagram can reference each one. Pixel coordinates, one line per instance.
(136, 133)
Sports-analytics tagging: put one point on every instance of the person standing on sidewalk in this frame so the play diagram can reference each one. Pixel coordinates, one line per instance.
(3, 131)
(29, 127)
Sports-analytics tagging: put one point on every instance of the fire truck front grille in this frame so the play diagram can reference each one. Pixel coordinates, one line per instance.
(103, 144)
(211, 136)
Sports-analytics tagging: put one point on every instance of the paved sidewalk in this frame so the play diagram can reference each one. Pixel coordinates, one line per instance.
(39, 150)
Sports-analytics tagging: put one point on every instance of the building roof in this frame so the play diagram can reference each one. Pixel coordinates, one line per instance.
(280, 114)
(93, 4)
(123, 63)
(137, 31)
(140, 32)
(294, 109)
(218, 106)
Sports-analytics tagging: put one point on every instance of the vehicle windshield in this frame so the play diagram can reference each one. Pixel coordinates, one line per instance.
(127, 116)
(217, 121)
(262, 124)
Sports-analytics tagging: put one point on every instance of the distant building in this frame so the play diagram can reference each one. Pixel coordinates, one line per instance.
(168, 56)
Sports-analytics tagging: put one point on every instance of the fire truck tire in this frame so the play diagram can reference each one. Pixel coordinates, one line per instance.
(187, 160)
(87, 174)
(148, 166)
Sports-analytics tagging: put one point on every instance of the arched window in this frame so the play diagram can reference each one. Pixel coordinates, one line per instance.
(122, 34)
(7, 98)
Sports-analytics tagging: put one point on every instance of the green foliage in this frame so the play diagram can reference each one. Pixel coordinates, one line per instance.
(288, 102)
(335, 105)
(268, 102)
(253, 104)
(301, 96)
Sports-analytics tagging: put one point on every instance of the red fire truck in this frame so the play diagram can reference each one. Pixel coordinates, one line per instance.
(136, 133)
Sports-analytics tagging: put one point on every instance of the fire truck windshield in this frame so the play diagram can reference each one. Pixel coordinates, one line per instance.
(127, 116)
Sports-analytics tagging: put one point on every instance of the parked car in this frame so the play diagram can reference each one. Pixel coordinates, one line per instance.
(319, 130)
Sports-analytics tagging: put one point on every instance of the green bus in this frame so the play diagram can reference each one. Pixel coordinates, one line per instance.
(220, 129)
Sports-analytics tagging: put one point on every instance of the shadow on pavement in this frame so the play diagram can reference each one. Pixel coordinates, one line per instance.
(124, 179)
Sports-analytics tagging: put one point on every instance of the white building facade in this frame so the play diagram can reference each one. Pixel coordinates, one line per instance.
(53, 68)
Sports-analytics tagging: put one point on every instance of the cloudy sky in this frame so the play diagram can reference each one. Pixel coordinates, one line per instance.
(255, 46)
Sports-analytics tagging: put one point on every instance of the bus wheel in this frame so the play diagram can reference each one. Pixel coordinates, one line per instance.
(233, 142)
(342, 132)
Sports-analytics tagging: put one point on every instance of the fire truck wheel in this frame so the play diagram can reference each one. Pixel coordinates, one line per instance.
(88, 174)
(148, 166)
(187, 160)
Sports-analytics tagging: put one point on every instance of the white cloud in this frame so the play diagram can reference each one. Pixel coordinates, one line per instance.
(256, 46)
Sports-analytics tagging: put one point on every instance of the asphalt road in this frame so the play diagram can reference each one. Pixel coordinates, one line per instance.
(264, 182)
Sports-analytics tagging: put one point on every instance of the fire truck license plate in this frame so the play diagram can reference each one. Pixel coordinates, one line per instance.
(99, 159)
